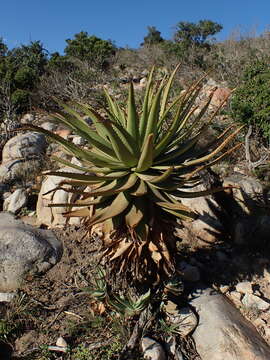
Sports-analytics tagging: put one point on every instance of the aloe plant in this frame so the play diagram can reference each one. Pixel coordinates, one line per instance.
(127, 306)
(135, 170)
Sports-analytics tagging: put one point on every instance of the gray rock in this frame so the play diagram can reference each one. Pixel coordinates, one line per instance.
(24, 146)
(53, 216)
(16, 201)
(223, 333)
(151, 349)
(236, 297)
(27, 119)
(244, 287)
(78, 140)
(50, 126)
(6, 297)
(224, 288)
(253, 301)
(23, 250)
(6, 195)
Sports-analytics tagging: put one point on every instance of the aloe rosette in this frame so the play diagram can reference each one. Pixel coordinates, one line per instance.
(135, 170)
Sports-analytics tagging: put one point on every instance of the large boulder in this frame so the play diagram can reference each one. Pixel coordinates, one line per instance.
(22, 157)
(24, 146)
(223, 333)
(23, 250)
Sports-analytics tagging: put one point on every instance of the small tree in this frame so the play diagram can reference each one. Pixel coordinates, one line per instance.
(90, 48)
(153, 36)
(189, 33)
(251, 101)
(20, 70)
(3, 47)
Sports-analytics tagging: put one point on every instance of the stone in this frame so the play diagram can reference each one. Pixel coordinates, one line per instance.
(64, 133)
(143, 81)
(151, 349)
(219, 96)
(266, 275)
(16, 201)
(27, 119)
(235, 297)
(24, 146)
(24, 250)
(253, 301)
(224, 288)
(48, 125)
(53, 216)
(78, 140)
(207, 228)
(222, 332)
(244, 287)
(189, 272)
(61, 342)
(7, 297)
(6, 195)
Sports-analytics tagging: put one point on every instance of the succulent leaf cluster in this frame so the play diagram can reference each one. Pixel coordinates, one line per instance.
(136, 168)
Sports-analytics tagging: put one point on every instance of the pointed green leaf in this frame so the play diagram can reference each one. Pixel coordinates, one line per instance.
(145, 108)
(146, 158)
(132, 119)
(119, 204)
(167, 91)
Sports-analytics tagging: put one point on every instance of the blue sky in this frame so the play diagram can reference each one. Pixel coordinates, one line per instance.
(123, 21)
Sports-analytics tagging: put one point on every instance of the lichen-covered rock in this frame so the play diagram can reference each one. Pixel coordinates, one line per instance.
(223, 333)
(16, 201)
(24, 146)
(53, 216)
(23, 250)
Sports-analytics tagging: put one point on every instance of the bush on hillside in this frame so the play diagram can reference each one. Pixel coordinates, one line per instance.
(251, 102)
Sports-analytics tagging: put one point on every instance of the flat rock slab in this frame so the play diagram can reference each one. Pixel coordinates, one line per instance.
(23, 250)
(223, 333)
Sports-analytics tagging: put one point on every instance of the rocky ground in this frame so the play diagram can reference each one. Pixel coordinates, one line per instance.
(57, 304)
(46, 277)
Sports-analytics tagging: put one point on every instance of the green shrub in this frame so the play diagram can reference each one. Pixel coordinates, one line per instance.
(25, 78)
(251, 102)
(20, 99)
